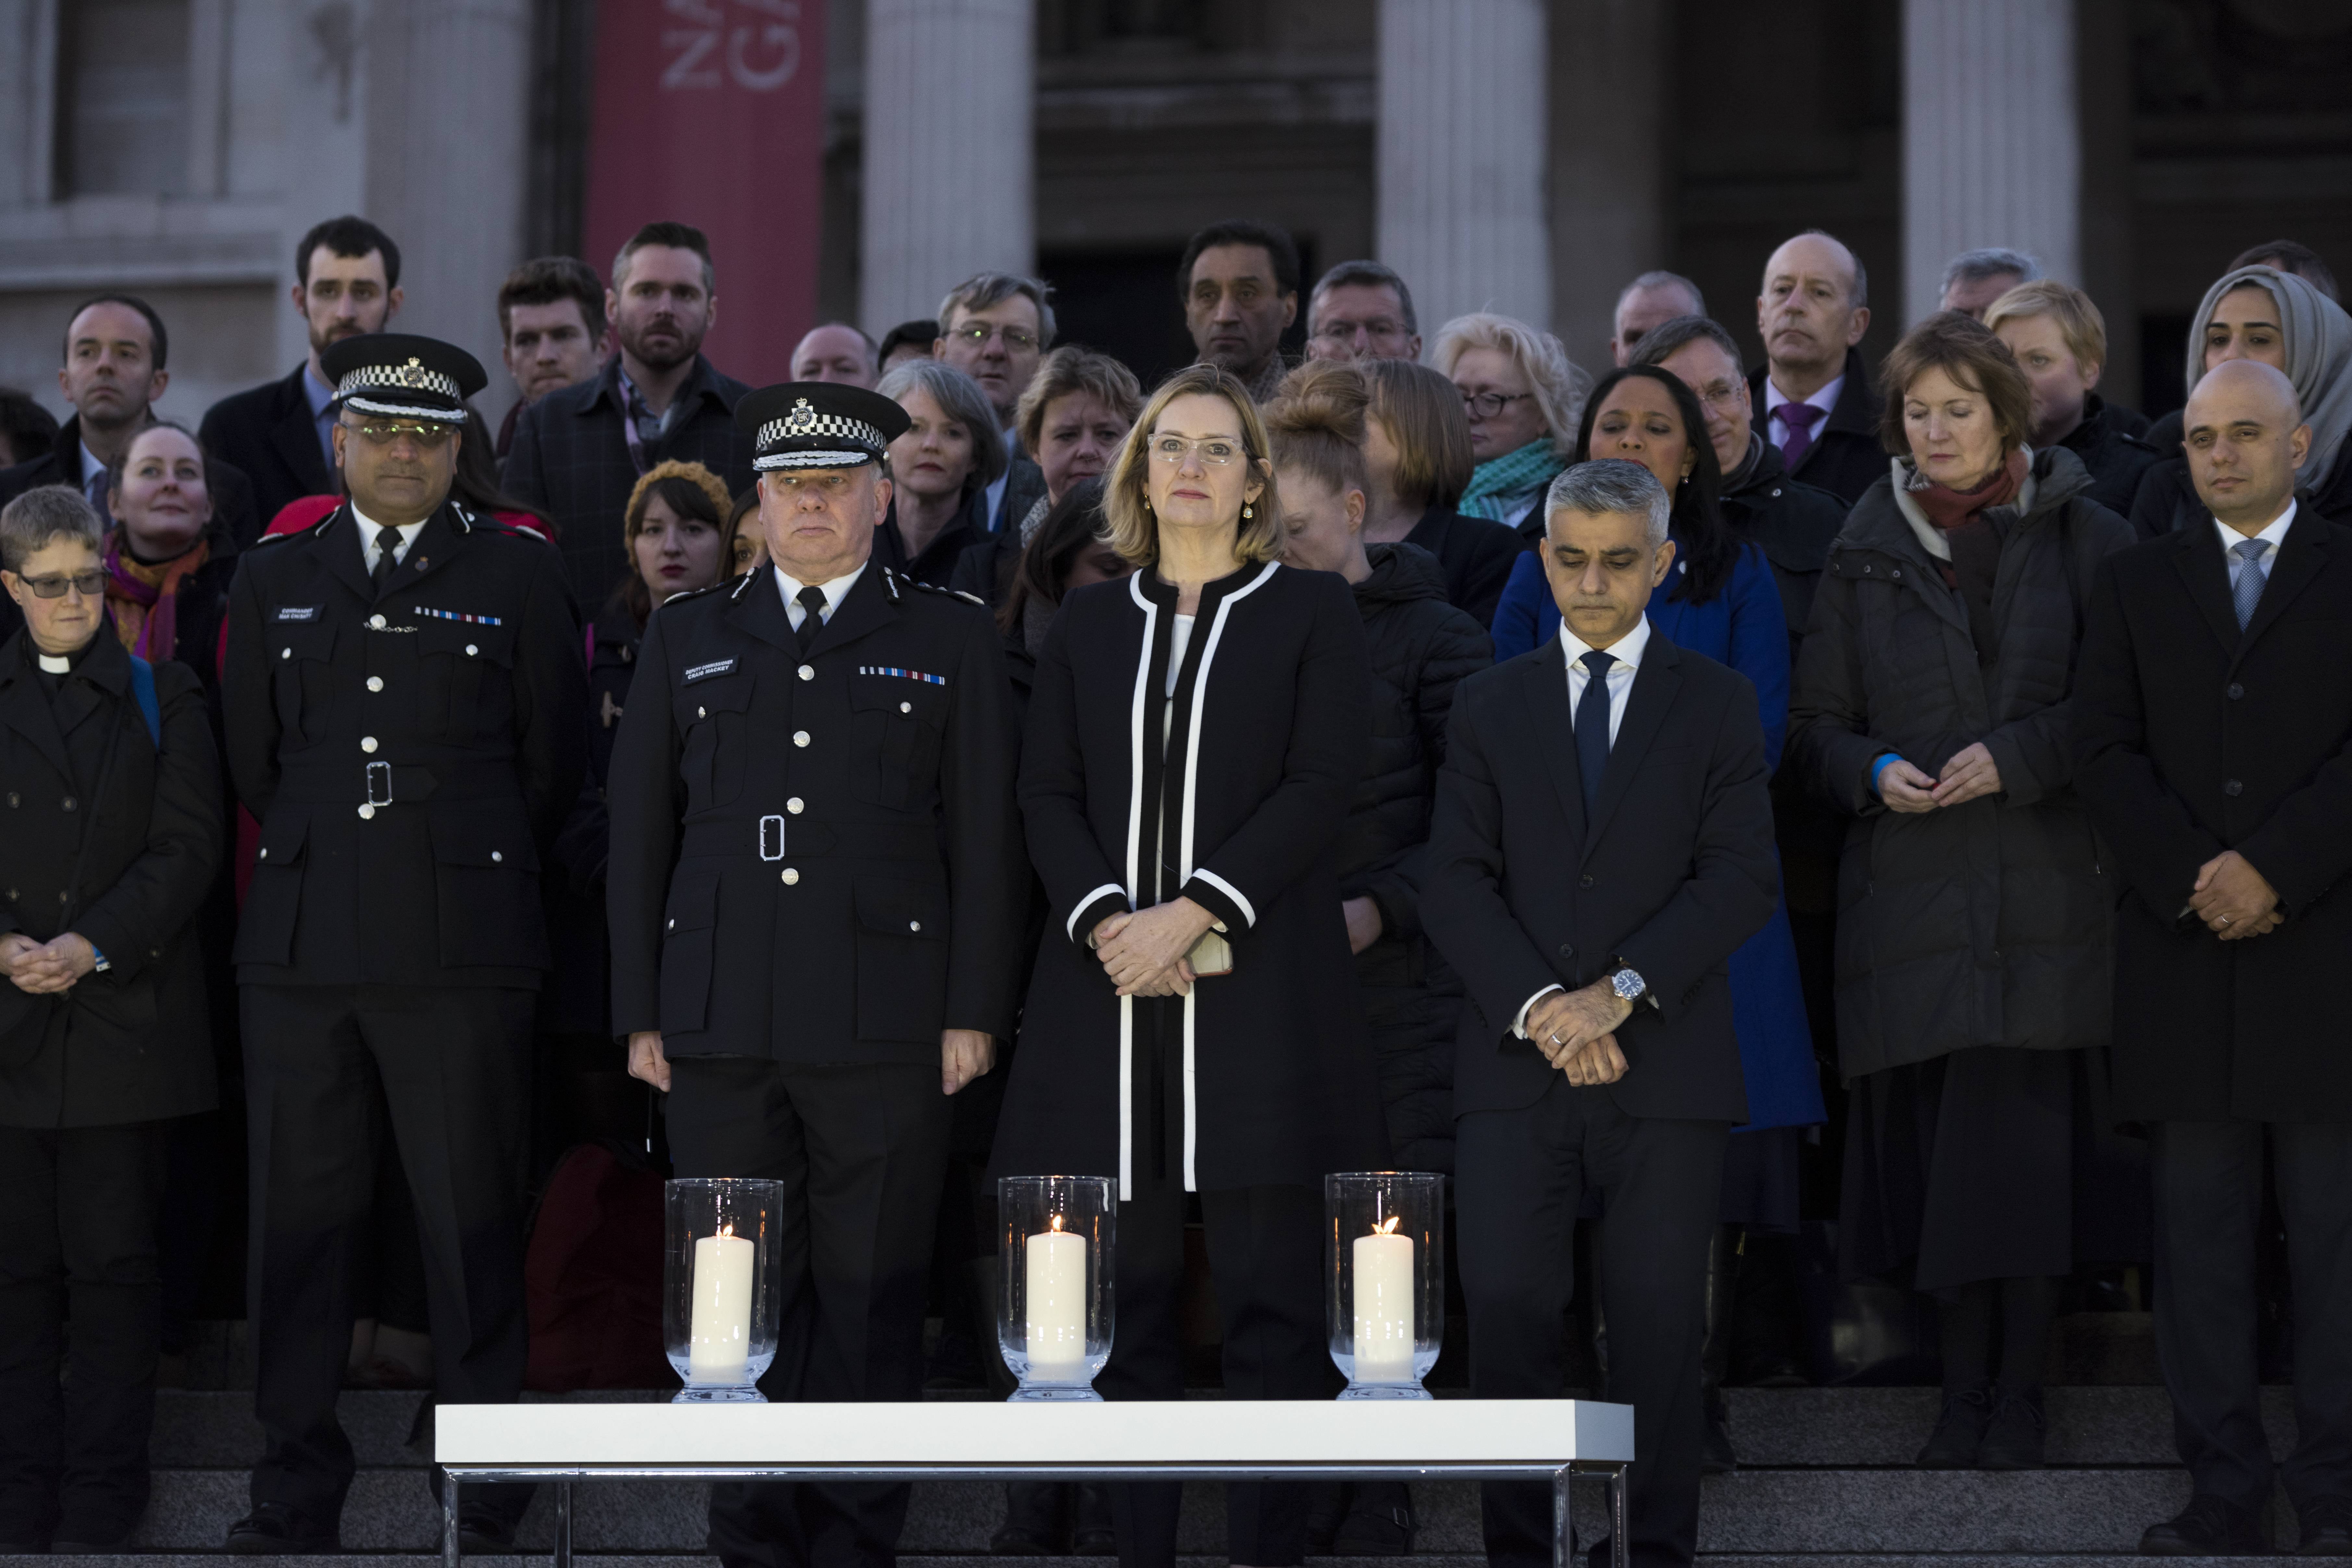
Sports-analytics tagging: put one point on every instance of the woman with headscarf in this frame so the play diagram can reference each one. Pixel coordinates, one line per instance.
(2261, 313)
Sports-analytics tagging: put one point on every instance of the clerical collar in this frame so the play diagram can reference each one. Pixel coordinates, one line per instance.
(52, 665)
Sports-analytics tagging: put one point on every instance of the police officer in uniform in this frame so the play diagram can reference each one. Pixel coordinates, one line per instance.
(815, 894)
(404, 694)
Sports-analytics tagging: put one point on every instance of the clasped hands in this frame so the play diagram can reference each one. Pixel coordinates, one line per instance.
(1144, 953)
(964, 1055)
(2233, 900)
(1577, 1032)
(1970, 772)
(46, 968)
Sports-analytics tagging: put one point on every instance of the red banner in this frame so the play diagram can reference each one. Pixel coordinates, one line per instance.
(711, 112)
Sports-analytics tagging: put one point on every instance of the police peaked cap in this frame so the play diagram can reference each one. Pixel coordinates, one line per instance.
(398, 375)
(818, 425)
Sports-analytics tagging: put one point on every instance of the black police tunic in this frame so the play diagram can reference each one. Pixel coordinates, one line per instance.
(815, 857)
(409, 757)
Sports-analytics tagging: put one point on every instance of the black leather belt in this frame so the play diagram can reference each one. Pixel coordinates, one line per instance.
(375, 785)
(797, 838)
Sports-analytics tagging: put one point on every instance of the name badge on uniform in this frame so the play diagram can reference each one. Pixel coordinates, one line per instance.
(705, 671)
(298, 612)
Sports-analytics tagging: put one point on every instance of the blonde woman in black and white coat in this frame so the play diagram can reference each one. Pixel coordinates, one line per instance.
(1194, 736)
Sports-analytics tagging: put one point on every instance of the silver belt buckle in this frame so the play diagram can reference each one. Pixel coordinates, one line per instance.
(379, 776)
(771, 833)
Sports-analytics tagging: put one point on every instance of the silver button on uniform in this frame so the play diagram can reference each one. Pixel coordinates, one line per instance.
(471, 650)
(376, 621)
(496, 857)
(791, 876)
(914, 925)
(800, 737)
(366, 813)
(793, 806)
(375, 683)
(808, 672)
(906, 708)
(367, 742)
(287, 653)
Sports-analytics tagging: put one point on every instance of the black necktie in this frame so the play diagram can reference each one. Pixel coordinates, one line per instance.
(387, 540)
(1592, 730)
(811, 600)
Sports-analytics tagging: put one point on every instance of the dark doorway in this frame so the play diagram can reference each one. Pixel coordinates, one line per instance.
(2163, 340)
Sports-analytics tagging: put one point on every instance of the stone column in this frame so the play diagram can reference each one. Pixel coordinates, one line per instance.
(448, 158)
(950, 163)
(1991, 149)
(1462, 130)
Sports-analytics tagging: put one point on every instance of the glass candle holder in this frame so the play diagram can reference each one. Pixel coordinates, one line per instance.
(1385, 1291)
(720, 1287)
(1054, 1313)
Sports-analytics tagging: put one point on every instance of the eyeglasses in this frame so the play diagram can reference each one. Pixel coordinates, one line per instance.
(1217, 450)
(89, 584)
(1486, 404)
(1381, 331)
(1721, 395)
(978, 332)
(432, 437)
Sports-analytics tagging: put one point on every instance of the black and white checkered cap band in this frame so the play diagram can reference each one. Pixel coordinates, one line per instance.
(399, 378)
(387, 410)
(858, 442)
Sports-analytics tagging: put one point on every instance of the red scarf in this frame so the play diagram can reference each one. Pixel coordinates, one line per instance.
(1950, 508)
(145, 600)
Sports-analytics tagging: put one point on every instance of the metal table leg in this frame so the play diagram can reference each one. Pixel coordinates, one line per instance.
(448, 1522)
(1563, 1526)
(1621, 1544)
(563, 1524)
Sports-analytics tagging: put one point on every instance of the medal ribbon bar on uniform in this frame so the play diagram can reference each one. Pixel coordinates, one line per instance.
(454, 615)
(901, 674)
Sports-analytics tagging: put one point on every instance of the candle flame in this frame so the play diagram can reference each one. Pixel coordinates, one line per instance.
(1387, 1226)
(727, 1229)
(1058, 1222)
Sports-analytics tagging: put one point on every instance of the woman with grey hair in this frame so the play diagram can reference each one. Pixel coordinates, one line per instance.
(114, 832)
(1524, 396)
(939, 470)
(2284, 322)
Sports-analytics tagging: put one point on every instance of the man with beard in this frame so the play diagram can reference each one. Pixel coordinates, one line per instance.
(279, 433)
(578, 451)
(1240, 283)
(1813, 394)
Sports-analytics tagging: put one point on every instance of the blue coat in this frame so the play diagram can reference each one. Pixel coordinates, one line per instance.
(1744, 628)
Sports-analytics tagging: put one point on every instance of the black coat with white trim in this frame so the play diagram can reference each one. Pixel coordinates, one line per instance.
(815, 858)
(1255, 784)
(409, 757)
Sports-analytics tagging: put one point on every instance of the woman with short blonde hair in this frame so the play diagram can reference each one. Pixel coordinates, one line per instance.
(1196, 731)
(1525, 398)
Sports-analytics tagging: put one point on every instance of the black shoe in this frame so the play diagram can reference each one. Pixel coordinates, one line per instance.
(1092, 1535)
(1033, 1520)
(2327, 1528)
(2208, 1526)
(1380, 1522)
(1953, 1445)
(274, 1530)
(2013, 1439)
(483, 1531)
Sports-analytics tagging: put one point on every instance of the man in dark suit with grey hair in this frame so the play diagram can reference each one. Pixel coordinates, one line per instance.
(1603, 841)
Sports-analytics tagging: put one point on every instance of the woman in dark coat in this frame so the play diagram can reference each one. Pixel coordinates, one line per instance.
(1933, 704)
(113, 834)
(1417, 462)
(1233, 1068)
(1420, 647)
(939, 471)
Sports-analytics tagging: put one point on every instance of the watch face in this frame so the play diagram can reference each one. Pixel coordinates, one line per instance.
(1628, 983)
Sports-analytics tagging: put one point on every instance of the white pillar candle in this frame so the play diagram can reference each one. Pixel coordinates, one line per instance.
(720, 1341)
(1384, 1306)
(1057, 1302)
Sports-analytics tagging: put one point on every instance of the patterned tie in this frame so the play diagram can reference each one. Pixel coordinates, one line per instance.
(1798, 419)
(387, 540)
(94, 490)
(2249, 578)
(811, 600)
(1592, 730)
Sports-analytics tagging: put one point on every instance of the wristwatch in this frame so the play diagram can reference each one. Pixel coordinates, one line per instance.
(1628, 983)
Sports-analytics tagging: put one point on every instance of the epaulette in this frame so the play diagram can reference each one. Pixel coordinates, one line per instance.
(277, 538)
(724, 585)
(949, 593)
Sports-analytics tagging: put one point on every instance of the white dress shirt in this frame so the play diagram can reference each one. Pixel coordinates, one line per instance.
(1825, 399)
(1627, 651)
(834, 591)
(2274, 536)
(369, 528)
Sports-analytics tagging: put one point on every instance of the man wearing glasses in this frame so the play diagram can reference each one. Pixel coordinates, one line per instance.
(1361, 309)
(994, 327)
(402, 691)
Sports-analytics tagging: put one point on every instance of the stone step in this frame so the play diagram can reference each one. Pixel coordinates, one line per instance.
(1772, 1428)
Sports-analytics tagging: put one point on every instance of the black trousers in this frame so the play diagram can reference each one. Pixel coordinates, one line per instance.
(2208, 1200)
(77, 1242)
(1265, 1260)
(329, 1072)
(861, 1149)
(1521, 1178)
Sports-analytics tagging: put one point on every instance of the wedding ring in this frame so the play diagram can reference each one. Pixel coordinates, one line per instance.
(2225, 920)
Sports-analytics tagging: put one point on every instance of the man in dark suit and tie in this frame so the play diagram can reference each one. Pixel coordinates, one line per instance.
(2213, 736)
(1603, 841)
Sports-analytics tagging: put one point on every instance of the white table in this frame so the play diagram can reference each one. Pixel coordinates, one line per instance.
(1222, 1440)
